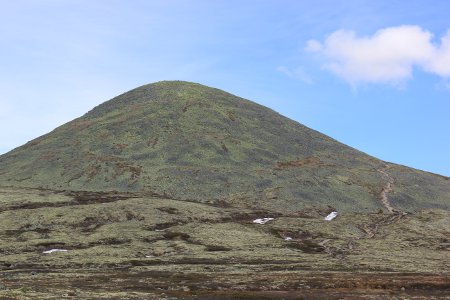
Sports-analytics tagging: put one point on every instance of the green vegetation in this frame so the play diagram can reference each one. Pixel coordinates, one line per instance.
(190, 142)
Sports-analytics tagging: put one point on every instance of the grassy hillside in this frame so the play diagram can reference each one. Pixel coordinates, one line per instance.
(185, 141)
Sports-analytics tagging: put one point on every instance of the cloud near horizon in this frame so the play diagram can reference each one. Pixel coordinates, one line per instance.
(388, 56)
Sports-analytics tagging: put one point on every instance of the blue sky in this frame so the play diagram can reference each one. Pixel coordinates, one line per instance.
(374, 75)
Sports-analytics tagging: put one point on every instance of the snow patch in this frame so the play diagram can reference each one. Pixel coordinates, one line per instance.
(331, 216)
(55, 250)
(288, 238)
(262, 220)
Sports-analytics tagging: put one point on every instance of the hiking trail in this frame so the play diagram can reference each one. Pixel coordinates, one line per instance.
(386, 189)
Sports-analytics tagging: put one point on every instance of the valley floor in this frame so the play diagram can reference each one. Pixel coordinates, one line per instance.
(129, 246)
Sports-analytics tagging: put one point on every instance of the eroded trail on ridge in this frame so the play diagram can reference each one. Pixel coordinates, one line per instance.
(386, 189)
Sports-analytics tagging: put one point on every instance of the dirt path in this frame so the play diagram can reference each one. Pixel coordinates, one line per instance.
(386, 189)
(395, 214)
(372, 229)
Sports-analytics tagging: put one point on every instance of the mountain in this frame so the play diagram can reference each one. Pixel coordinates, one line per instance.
(186, 141)
(175, 190)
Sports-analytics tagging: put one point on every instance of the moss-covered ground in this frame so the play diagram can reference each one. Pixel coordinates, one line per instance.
(129, 246)
(191, 142)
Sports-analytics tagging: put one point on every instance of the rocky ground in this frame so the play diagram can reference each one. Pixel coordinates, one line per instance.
(134, 246)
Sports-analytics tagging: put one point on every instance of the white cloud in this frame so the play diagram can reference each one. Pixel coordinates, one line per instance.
(389, 56)
(297, 73)
(313, 46)
(440, 61)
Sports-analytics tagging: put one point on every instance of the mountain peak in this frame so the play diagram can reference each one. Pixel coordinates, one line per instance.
(161, 90)
(197, 143)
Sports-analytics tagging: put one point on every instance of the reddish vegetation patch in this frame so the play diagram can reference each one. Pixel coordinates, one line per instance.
(152, 142)
(33, 142)
(80, 124)
(93, 170)
(121, 168)
(298, 163)
(191, 103)
(119, 165)
(121, 146)
(231, 115)
(48, 156)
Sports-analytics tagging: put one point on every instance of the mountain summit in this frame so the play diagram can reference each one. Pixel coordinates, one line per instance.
(190, 142)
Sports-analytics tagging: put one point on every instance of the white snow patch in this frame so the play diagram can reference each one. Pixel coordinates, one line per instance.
(55, 250)
(262, 220)
(331, 216)
(288, 238)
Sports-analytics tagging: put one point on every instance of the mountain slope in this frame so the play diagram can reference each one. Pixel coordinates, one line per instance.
(190, 142)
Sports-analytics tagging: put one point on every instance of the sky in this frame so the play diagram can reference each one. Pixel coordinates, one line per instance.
(374, 75)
